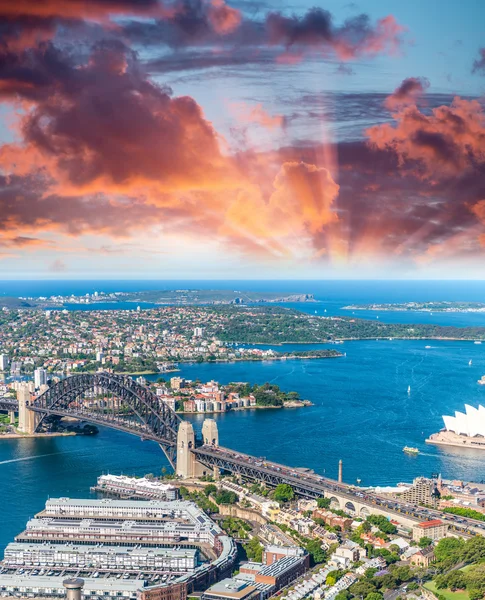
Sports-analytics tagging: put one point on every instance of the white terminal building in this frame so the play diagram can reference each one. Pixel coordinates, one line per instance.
(141, 487)
(470, 423)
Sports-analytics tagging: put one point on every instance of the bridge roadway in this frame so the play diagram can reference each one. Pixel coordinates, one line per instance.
(353, 500)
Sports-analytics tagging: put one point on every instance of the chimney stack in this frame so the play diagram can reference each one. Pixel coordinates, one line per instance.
(73, 587)
(340, 471)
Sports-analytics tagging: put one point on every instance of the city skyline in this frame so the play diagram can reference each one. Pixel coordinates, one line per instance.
(246, 140)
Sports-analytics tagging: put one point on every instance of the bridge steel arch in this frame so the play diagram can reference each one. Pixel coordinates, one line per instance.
(149, 418)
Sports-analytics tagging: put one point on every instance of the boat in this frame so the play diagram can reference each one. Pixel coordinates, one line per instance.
(410, 450)
(409, 389)
(427, 347)
(470, 363)
(477, 342)
(482, 380)
(358, 479)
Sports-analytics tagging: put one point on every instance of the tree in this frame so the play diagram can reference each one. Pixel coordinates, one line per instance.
(226, 497)
(254, 550)
(474, 549)
(362, 588)
(323, 502)
(424, 542)
(343, 595)
(283, 493)
(316, 552)
(448, 551)
(210, 489)
(374, 596)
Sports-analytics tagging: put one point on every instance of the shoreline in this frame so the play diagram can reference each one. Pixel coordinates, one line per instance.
(17, 436)
(243, 408)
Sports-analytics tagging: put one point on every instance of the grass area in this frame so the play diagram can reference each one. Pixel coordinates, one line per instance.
(448, 594)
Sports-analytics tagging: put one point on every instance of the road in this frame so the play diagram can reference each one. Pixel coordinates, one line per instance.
(314, 485)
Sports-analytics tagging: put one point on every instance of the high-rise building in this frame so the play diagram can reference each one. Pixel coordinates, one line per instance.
(15, 369)
(198, 331)
(40, 378)
(4, 362)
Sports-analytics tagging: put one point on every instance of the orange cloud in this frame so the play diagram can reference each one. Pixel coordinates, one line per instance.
(446, 142)
(223, 18)
(257, 114)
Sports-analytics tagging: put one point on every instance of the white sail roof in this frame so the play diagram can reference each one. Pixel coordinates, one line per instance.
(470, 423)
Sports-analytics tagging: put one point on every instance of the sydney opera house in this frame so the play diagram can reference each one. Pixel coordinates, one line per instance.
(470, 423)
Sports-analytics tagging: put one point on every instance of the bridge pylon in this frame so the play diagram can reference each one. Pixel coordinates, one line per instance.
(187, 465)
(28, 419)
(210, 437)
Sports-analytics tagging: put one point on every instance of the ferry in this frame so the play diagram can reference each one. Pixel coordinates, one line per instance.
(410, 450)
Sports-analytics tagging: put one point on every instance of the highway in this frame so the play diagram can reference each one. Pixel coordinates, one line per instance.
(313, 485)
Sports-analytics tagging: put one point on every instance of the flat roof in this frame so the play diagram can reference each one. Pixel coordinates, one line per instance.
(85, 549)
(231, 588)
(39, 581)
(168, 505)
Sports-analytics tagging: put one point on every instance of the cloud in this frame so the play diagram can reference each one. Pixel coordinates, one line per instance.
(479, 63)
(445, 143)
(257, 114)
(410, 90)
(58, 266)
(316, 30)
(344, 69)
(289, 37)
(102, 125)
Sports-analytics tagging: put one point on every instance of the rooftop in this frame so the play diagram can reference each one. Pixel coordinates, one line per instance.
(430, 524)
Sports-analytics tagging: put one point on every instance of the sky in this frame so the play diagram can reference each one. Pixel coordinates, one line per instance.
(247, 139)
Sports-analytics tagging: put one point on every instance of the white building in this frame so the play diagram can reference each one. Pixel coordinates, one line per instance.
(4, 362)
(40, 378)
(470, 423)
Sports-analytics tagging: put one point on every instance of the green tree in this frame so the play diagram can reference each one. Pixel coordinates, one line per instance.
(374, 596)
(254, 550)
(362, 588)
(424, 542)
(284, 492)
(316, 552)
(210, 489)
(323, 502)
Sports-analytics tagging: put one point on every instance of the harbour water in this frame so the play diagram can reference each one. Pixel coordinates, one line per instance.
(362, 414)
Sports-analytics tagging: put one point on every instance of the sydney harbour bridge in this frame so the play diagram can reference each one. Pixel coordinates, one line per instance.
(118, 402)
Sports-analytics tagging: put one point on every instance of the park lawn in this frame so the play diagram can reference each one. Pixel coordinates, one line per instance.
(448, 594)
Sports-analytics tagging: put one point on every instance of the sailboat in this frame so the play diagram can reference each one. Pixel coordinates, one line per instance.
(409, 389)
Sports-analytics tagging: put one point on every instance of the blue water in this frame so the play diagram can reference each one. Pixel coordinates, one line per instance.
(331, 295)
(362, 413)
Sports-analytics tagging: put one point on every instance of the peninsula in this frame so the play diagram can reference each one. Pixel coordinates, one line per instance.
(472, 307)
(158, 339)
